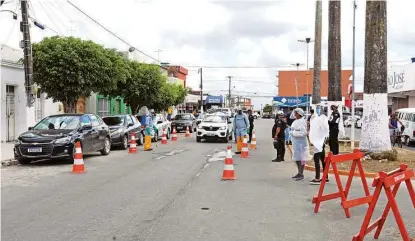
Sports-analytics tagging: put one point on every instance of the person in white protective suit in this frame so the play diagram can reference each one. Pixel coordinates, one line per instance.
(300, 150)
(319, 131)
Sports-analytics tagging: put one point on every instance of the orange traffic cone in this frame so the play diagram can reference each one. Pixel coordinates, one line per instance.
(253, 141)
(244, 153)
(187, 132)
(164, 137)
(133, 145)
(228, 170)
(78, 164)
(174, 134)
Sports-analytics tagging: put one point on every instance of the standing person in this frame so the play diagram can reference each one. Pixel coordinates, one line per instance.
(319, 131)
(290, 119)
(393, 124)
(334, 130)
(149, 127)
(251, 124)
(241, 126)
(312, 115)
(298, 134)
(278, 135)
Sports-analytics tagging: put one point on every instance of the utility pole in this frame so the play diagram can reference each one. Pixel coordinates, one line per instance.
(352, 137)
(296, 83)
(201, 90)
(229, 94)
(27, 50)
(158, 54)
(317, 56)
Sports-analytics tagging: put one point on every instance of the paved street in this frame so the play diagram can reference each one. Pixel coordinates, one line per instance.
(175, 193)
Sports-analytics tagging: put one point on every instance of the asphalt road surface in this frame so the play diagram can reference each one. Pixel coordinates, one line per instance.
(175, 193)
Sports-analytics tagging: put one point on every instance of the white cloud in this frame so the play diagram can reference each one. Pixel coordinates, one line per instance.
(220, 33)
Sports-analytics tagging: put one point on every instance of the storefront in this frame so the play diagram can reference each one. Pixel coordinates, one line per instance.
(401, 87)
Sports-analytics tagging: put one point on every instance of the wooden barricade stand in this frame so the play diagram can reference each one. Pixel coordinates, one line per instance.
(332, 160)
(386, 181)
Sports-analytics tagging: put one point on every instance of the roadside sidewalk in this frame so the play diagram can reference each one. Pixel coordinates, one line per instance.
(6, 151)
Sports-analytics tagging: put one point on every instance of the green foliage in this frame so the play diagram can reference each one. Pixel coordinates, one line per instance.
(67, 68)
(268, 108)
(169, 95)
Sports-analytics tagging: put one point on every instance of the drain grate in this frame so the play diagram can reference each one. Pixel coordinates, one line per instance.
(205, 209)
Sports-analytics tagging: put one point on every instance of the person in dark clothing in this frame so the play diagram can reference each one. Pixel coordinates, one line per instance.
(278, 134)
(334, 130)
(251, 124)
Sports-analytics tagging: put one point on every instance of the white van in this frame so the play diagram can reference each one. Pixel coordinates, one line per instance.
(407, 116)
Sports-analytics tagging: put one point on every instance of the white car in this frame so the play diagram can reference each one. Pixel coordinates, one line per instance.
(215, 127)
(160, 123)
(349, 121)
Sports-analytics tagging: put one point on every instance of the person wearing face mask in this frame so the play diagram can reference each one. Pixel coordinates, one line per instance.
(300, 150)
(241, 126)
(334, 121)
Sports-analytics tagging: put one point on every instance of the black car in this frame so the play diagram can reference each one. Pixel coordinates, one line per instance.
(182, 121)
(54, 137)
(121, 128)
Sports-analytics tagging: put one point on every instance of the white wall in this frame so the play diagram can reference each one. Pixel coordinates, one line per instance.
(13, 74)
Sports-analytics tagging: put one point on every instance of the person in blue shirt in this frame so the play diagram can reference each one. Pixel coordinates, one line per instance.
(241, 127)
(393, 124)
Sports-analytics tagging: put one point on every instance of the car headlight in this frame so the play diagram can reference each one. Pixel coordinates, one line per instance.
(17, 142)
(63, 140)
(199, 127)
(222, 128)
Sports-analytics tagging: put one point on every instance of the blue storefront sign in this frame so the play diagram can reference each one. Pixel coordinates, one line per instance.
(214, 99)
(290, 101)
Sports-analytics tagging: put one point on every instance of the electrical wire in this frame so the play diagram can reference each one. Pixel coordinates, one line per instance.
(47, 14)
(14, 25)
(57, 16)
(112, 33)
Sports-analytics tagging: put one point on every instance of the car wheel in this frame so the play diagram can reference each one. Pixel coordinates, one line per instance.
(191, 129)
(226, 139)
(198, 139)
(107, 147)
(230, 137)
(125, 142)
(24, 161)
(156, 137)
(168, 134)
(407, 141)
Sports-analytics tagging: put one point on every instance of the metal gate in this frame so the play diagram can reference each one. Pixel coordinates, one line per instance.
(10, 113)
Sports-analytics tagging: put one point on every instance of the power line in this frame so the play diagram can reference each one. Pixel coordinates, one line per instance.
(47, 14)
(109, 31)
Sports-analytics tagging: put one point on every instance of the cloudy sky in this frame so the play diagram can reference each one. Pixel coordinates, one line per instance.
(220, 34)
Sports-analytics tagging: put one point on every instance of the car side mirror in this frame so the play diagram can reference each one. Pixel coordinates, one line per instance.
(86, 128)
(159, 122)
(130, 124)
(30, 128)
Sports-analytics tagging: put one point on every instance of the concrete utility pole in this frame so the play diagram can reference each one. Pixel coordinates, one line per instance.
(352, 137)
(201, 90)
(230, 88)
(317, 55)
(27, 51)
(307, 41)
(296, 83)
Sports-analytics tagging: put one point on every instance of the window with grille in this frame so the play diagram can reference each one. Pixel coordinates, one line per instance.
(103, 107)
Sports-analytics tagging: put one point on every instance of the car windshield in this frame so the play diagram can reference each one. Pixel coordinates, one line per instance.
(114, 120)
(66, 122)
(183, 117)
(215, 119)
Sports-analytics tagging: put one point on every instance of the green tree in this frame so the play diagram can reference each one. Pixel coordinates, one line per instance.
(66, 68)
(169, 95)
(267, 108)
(142, 86)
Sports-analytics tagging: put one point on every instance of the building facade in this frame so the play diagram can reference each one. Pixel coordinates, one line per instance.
(401, 86)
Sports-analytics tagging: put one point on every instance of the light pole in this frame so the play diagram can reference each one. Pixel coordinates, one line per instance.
(296, 83)
(307, 41)
(352, 137)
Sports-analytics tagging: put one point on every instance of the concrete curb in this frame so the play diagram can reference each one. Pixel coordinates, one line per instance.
(9, 162)
(343, 173)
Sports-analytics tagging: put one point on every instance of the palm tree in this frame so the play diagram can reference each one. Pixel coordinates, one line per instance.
(317, 55)
(375, 131)
(334, 53)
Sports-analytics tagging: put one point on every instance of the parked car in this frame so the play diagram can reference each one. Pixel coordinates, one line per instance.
(54, 137)
(182, 121)
(121, 128)
(160, 122)
(267, 116)
(215, 127)
(350, 121)
(256, 115)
